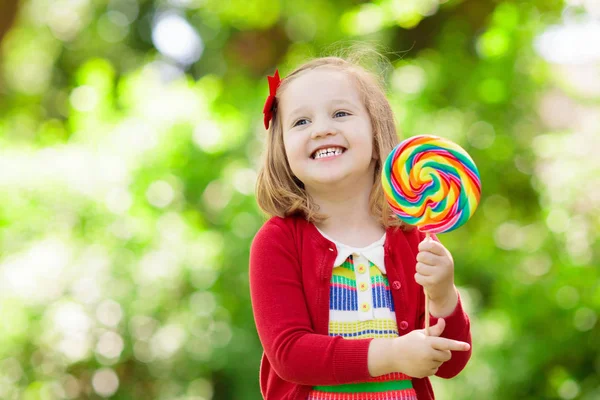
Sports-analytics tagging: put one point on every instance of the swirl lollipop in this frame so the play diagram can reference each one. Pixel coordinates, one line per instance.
(432, 183)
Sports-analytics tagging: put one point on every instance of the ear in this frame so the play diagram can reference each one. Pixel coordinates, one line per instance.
(376, 156)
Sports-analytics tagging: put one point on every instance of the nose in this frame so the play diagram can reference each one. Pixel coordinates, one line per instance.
(323, 127)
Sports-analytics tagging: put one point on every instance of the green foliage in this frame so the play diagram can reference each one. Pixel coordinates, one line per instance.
(127, 184)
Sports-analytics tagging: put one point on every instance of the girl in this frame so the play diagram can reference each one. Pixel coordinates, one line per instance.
(335, 279)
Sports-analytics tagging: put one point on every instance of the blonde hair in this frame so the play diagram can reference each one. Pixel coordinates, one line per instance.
(280, 193)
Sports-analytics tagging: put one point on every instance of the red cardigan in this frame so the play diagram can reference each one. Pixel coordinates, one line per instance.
(290, 270)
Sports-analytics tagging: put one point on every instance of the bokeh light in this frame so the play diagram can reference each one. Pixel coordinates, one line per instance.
(131, 136)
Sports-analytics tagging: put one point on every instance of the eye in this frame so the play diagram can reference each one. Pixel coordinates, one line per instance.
(301, 121)
(341, 114)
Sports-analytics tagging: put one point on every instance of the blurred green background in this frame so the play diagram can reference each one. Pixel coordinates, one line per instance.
(130, 138)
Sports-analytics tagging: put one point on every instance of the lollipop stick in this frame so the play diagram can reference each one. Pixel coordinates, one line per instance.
(426, 302)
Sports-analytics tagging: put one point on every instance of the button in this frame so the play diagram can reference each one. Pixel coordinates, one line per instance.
(403, 325)
(363, 286)
(365, 307)
(361, 269)
(396, 285)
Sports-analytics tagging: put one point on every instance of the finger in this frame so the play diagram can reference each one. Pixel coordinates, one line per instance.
(424, 269)
(437, 329)
(431, 280)
(426, 257)
(440, 343)
(433, 247)
(423, 280)
(428, 281)
(442, 356)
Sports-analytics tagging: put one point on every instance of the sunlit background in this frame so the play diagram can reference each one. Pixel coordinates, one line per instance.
(130, 138)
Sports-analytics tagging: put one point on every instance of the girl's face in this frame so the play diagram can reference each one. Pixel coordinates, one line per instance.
(322, 110)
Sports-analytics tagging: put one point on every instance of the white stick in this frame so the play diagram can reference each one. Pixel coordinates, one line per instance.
(426, 302)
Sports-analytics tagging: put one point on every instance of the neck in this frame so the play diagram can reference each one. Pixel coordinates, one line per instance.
(346, 206)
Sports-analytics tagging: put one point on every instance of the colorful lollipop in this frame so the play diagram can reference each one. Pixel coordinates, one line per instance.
(432, 183)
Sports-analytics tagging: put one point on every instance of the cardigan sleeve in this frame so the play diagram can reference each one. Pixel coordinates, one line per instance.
(458, 327)
(283, 322)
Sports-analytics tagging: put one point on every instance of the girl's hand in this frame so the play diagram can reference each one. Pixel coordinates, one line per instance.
(435, 272)
(418, 355)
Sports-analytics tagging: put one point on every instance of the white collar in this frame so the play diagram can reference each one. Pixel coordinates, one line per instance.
(373, 252)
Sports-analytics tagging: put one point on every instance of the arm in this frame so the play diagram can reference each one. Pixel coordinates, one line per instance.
(414, 354)
(458, 326)
(283, 321)
(380, 362)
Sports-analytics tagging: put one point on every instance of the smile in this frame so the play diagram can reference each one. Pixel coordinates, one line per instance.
(328, 153)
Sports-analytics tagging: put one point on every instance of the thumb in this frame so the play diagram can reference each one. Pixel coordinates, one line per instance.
(438, 328)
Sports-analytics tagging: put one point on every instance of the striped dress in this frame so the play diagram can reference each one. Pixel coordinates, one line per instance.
(361, 306)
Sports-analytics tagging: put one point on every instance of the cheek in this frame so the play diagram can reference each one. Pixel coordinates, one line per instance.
(288, 143)
(292, 152)
(367, 143)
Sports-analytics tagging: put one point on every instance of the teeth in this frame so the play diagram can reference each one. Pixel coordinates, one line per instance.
(331, 151)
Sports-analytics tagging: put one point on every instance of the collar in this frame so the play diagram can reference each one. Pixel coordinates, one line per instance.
(373, 252)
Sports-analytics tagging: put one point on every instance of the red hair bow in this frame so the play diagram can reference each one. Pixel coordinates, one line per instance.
(274, 82)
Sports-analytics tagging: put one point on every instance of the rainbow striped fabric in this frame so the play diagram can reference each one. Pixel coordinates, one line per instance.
(363, 308)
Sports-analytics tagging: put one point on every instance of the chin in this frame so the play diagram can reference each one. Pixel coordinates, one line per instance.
(331, 180)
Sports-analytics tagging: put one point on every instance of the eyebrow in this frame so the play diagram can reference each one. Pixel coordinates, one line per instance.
(300, 109)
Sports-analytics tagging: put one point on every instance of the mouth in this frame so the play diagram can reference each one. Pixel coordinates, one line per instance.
(327, 153)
